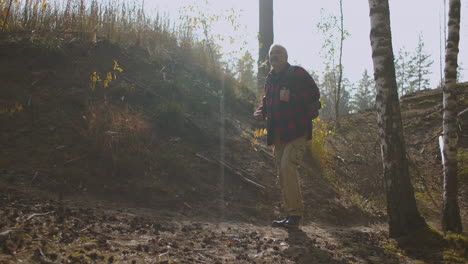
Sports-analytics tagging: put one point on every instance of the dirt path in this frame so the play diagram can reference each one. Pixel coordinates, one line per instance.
(40, 230)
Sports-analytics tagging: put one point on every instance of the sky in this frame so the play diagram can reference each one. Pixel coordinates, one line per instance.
(295, 28)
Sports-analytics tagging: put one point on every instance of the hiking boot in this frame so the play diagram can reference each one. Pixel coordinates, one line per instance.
(293, 221)
(280, 222)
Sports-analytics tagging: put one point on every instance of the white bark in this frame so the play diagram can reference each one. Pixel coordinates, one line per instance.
(401, 204)
(451, 220)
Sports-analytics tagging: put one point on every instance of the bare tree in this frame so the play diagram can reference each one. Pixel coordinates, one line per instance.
(340, 66)
(265, 39)
(334, 34)
(441, 40)
(403, 214)
(451, 220)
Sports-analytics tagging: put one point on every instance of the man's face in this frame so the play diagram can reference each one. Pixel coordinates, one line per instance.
(277, 57)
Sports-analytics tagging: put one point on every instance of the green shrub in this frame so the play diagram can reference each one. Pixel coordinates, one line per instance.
(318, 145)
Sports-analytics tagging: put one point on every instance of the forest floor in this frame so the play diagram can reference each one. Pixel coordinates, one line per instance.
(36, 228)
(72, 191)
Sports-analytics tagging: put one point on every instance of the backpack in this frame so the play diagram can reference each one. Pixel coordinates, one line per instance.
(313, 108)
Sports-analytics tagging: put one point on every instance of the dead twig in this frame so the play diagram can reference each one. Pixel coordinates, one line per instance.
(462, 113)
(268, 154)
(75, 159)
(6, 233)
(37, 214)
(231, 169)
(34, 177)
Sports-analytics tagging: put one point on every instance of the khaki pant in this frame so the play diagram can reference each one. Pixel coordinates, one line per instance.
(288, 156)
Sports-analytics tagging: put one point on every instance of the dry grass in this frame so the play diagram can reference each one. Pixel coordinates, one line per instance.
(112, 128)
(118, 21)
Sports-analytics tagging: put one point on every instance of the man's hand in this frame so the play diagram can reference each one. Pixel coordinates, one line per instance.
(284, 95)
(258, 115)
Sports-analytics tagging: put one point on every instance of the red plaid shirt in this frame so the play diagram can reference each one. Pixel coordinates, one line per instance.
(289, 119)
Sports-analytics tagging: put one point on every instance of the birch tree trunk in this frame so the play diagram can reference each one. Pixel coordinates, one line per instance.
(451, 220)
(265, 40)
(403, 214)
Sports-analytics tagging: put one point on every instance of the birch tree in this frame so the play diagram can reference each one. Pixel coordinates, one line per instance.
(330, 28)
(451, 220)
(265, 39)
(402, 212)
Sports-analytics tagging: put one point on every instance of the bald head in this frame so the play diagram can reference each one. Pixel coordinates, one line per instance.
(280, 48)
(278, 57)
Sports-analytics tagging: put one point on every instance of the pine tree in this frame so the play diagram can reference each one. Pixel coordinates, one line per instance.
(460, 70)
(404, 70)
(245, 70)
(364, 97)
(344, 107)
(328, 91)
(327, 87)
(421, 62)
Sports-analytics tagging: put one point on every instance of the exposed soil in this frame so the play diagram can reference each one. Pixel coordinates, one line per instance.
(36, 229)
(70, 194)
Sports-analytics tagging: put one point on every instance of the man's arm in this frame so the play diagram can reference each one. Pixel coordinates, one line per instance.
(259, 114)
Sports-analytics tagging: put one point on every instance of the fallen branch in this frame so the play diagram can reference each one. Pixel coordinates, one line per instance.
(268, 154)
(75, 159)
(231, 169)
(34, 177)
(462, 113)
(6, 233)
(36, 214)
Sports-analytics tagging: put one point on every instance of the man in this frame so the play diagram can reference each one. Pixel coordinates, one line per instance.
(289, 90)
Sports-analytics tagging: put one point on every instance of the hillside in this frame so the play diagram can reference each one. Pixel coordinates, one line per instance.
(357, 161)
(156, 164)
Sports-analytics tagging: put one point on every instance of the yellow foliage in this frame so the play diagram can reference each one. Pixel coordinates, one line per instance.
(317, 146)
(117, 67)
(18, 107)
(94, 79)
(260, 132)
(257, 133)
(110, 76)
(108, 80)
(11, 109)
